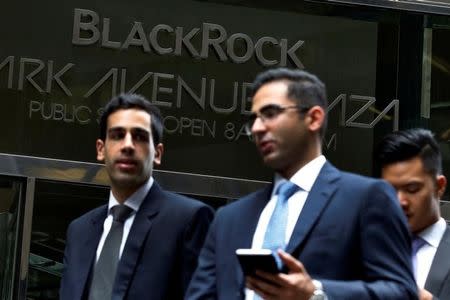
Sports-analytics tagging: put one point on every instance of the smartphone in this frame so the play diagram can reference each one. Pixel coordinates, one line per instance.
(257, 259)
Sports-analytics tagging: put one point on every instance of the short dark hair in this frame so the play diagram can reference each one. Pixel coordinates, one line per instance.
(128, 101)
(304, 88)
(404, 145)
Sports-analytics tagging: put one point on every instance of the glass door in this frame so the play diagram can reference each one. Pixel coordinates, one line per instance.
(56, 204)
(12, 200)
(435, 100)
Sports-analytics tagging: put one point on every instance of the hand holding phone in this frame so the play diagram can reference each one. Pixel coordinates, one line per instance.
(257, 259)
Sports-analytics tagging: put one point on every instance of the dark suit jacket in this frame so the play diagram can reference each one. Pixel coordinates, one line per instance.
(438, 279)
(351, 235)
(159, 256)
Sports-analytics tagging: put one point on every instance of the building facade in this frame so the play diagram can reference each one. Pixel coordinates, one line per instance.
(386, 65)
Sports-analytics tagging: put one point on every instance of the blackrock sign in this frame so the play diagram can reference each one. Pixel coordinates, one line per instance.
(214, 39)
(198, 73)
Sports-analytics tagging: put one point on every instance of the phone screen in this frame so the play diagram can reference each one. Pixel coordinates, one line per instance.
(257, 259)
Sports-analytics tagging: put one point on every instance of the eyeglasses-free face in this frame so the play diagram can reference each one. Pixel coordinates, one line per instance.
(269, 113)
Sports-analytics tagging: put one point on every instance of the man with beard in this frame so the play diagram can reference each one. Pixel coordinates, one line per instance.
(411, 161)
(338, 235)
(145, 242)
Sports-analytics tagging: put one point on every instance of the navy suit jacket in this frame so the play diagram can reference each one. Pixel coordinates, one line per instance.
(159, 256)
(438, 279)
(351, 235)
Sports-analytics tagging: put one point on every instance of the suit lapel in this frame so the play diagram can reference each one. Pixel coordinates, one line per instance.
(136, 239)
(250, 220)
(440, 266)
(247, 226)
(318, 198)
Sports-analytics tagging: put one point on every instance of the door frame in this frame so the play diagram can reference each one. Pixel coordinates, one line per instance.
(30, 169)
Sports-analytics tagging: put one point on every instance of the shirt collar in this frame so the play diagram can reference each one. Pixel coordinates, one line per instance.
(434, 233)
(135, 200)
(305, 177)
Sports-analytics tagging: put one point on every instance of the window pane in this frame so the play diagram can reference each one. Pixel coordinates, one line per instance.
(10, 191)
(56, 205)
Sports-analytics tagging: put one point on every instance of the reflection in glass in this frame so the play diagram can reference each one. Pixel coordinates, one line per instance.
(440, 102)
(9, 215)
(56, 204)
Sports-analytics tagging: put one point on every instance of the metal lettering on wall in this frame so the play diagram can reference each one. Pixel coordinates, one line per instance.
(330, 142)
(369, 103)
(83, 114)
(213, 38)
(197, 69)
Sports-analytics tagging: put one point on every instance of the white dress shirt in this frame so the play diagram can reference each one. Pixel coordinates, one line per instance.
(134, 202)
(425, 255)
(304, 178)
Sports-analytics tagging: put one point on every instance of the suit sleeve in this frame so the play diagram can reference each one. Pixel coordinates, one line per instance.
(194, 236)
(385, 249)
(203, 283)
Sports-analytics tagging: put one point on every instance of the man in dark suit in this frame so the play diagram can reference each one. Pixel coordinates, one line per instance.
(344, 237)
(149, 249)
(411, 161)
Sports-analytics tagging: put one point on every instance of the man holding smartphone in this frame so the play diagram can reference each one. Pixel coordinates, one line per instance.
(338, 235)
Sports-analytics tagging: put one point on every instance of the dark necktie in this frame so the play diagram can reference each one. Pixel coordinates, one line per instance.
(106, 266)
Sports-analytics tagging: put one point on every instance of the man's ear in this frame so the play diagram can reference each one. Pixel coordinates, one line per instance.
(100, 145)
(317, 117)
(441, 183)
(159, 150)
